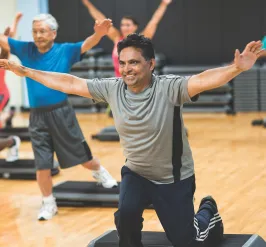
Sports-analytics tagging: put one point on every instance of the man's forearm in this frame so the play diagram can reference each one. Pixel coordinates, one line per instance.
(62, 82)
(212, 78)
(90, 42)
(58, 81)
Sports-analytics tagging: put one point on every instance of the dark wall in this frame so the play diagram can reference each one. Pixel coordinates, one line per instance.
(191, 32)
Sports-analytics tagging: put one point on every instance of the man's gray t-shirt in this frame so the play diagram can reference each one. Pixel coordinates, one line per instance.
(150, 125)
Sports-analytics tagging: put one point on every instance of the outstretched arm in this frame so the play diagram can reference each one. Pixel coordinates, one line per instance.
(214, 78)
(113, 33)
(101, 28)
(151, 27)
(62, 82)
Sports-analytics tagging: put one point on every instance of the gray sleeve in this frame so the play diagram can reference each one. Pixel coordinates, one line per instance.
(100, 89)
(176, 89)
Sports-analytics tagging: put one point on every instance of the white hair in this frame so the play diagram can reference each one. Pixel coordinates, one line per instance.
(48, 19)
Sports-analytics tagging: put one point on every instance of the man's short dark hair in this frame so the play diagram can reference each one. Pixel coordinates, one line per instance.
(133, 19)
(140, 42)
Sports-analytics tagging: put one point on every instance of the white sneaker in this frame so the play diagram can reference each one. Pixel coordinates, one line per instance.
(12, 153)
(47, 211)
(104, 178)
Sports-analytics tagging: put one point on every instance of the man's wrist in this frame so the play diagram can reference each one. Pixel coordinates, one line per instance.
(98, 36)
(164, 4)
(236, 69)
(27, 71)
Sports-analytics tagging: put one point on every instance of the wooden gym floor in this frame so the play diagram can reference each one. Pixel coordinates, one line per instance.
(230, 164)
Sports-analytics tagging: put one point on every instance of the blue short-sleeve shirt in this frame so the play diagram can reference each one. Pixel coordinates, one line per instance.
(59, 58)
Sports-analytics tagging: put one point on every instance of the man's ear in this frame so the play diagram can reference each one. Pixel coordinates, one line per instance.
(55, 33)
(152, 64)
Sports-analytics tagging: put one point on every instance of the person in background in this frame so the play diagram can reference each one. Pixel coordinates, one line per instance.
(128, 25)
(11, 142)
(53, 124)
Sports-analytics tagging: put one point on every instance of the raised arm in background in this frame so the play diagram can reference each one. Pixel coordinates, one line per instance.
(151, 27)
(101, 28)
(97, 15)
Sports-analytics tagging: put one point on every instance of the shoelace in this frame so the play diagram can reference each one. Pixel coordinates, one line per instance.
(47, 207)
(13, 151)
(103, 176)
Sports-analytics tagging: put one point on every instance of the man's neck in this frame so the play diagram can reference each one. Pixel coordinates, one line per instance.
(140, 88)
(46, 49)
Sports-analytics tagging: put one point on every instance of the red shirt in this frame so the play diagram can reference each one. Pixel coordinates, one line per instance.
(116, 59)
(4, 92)
(3, 87)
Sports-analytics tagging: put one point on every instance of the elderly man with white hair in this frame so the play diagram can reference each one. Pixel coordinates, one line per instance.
(53, 124)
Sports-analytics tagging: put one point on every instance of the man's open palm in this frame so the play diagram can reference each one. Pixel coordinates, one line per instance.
(12, 66)
(102, 27)
(249, 56)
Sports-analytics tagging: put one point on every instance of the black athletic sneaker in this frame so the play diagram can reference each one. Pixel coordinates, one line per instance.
(216, 225)
(257, 122)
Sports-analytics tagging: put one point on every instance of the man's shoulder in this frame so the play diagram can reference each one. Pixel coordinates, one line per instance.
(113, 80)
(161, 80)
(20, 42)
(59, 45)
(68, 44)
(166, 77)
